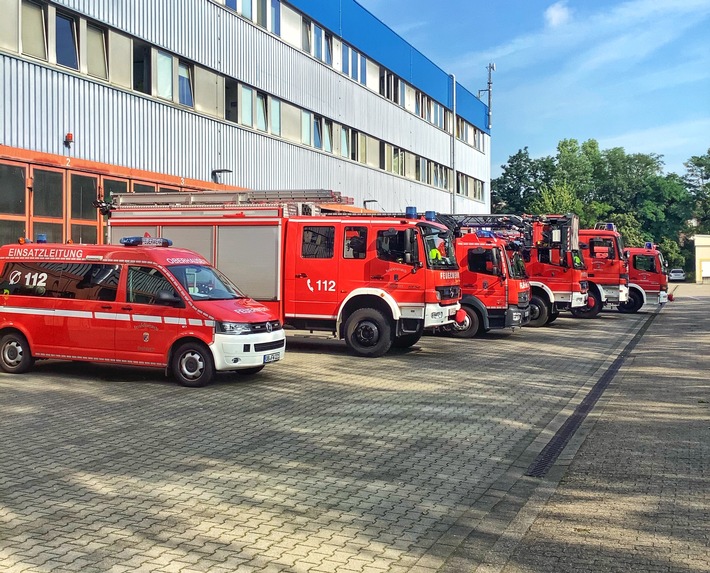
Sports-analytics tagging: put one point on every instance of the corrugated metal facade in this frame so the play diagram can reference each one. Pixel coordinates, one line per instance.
(41, 103)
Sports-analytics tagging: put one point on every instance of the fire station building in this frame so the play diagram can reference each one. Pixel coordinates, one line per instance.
(104, 96)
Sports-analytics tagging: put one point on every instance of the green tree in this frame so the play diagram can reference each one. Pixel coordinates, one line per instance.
(672, 253)
(522, 178)
(558, 198)
(697, 180)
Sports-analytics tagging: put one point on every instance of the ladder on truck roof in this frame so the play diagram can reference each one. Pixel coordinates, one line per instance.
(246, 197)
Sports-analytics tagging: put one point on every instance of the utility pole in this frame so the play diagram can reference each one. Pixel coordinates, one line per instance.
(491, 68)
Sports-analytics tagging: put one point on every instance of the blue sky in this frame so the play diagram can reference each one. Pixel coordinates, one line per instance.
(628, 73)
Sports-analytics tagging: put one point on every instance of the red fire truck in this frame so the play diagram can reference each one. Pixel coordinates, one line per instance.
(495, 292)
(648, 282)
(607, 268)
(368, 280)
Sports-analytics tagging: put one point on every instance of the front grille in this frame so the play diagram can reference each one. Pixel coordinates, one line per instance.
(449, 292)
(262, 326)
(269, 345)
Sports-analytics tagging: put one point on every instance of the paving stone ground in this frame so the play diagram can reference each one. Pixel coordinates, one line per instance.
(413, 462)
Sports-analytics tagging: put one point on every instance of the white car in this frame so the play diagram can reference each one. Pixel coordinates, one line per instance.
(676, 275)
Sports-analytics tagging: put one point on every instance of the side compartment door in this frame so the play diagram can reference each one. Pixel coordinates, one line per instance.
(312, 270)
(151, 320)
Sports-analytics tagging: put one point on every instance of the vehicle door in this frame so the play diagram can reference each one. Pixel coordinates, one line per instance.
(154, 315)
(395, 265)
(602, 254)
(486, 271)
(86, 310)
(645, 271)
(311, 273)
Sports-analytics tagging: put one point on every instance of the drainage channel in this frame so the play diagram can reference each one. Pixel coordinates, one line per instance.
(549, 454)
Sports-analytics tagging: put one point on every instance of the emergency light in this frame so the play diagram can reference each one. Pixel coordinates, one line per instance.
(146, 242)
(649, 245)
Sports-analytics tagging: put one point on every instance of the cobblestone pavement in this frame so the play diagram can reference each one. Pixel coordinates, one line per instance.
(636, 496)
(413, 462)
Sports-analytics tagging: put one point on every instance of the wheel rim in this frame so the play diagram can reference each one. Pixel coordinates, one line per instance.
(591, 302)
(367, 333)
(12, 353)
(192, 365)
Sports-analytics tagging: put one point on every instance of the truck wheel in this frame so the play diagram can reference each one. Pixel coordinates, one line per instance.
(470, 326)
(634, 303)
(15, 355)
(192, 364)
(593, 308)
(368, 333)
(553, 316)
(250, 371)
(539, 312)
(409, 339)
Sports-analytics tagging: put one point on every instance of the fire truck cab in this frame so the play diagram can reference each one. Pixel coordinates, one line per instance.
(142, 303)
(607, 268)
(374, 281)
(648, 281)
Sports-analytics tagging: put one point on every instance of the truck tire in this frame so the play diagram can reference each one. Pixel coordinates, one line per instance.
(554, 315)
(470, 327)
(539, 311)
(15, 355)
(192, 364)
(634, 303)
(593, 308)
(368, 333)
(409, 339)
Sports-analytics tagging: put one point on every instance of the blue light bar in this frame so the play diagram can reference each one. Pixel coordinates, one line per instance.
(146, 242)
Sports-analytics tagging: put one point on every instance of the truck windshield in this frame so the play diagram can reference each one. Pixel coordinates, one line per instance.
(620, 247)
(438, 247)
(205, 283)
(577, 259)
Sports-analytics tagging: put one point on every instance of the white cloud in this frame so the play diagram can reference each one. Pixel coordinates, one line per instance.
(558, 14)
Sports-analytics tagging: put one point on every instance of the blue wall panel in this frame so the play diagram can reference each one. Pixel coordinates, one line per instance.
(359, 28)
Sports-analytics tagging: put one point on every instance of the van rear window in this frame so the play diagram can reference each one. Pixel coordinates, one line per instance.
(81, 281)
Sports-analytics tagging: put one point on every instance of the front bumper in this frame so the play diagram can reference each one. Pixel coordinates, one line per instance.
(614, 294)
(232, 352)
(516, 316)
(438, 315)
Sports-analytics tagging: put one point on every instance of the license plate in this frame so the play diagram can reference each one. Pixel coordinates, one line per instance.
(273, 357)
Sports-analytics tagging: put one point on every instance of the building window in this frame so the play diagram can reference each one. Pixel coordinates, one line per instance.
(231, 89)
(232, 4)
(276, 17)
(305, 128)
(261, 120)
(346, 59)
(12, 198)
(363, 70)
(67, 48)
(306, 36)
(246, 9)
(345, 141)
(247, 106)
(275, 116)
(165, 75)
(34, 31)
(261, 13)
(185, 84)
(328, 135)
(141, 67)
(96, 47)
(317, 132)
(328, 49)
(318, 42)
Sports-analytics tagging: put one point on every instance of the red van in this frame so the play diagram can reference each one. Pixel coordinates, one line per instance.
(141, 304)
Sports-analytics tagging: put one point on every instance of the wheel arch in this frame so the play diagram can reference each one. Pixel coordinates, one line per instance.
(180, 341)
(542, 290)
(367, 298)
(475, 303)
(639, 290)
(10, 328)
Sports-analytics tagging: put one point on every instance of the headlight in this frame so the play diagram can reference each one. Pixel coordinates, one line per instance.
(233, 328)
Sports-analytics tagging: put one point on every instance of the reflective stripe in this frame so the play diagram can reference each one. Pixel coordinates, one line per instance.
(194, 322)
(112, 316)
(146, 318)
(73, 313)
(174, 320)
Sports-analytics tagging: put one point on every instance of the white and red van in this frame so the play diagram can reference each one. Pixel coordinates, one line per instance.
(141, 304)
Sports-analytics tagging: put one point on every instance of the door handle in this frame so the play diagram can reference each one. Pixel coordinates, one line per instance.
(377, 277)
(126, 308)
(106, 307)
(301, 275)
